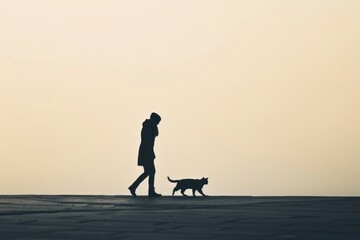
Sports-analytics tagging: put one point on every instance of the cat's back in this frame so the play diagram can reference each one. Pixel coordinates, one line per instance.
(188, 182)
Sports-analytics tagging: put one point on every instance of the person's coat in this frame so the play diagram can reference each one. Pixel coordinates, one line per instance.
(146, 150)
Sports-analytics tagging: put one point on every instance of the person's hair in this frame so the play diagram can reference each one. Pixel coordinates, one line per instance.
(156, 117)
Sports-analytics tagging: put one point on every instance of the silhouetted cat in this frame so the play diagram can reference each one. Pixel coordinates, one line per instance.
(194, 184)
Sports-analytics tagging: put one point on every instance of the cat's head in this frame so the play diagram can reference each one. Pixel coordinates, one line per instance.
(205, 180)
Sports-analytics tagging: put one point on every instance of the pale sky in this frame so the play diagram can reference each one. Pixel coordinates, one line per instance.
(262, 97)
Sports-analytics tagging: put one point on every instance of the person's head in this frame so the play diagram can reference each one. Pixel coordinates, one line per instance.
(155, 118)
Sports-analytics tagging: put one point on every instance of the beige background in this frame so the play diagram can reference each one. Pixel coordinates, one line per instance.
(262, 97)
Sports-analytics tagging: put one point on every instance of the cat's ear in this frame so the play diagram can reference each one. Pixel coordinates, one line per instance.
(207, 178)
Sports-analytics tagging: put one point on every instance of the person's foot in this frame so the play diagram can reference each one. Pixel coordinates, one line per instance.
(152, 193)
(132, 191)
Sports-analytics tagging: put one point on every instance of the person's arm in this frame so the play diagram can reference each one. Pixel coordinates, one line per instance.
(147, 139)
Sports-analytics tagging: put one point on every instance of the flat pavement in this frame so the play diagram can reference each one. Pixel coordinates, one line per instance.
(124, 217)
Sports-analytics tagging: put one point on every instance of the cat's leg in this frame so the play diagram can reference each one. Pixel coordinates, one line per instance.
(175, 189)
(183, 192)
(201, 192)
(194, 190)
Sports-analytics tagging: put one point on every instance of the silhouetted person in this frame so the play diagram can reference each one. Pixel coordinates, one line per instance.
(146, 154)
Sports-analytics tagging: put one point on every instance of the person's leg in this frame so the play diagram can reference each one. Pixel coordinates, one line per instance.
(140, 178)
(137, 182)
(151, 170)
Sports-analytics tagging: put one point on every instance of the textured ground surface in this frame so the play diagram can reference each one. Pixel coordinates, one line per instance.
(123, 217)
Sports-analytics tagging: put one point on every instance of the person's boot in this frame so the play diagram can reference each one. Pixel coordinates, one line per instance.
(132, 190)
(152, 193)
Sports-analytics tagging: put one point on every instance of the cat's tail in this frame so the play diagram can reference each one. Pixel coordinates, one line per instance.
(172, 180)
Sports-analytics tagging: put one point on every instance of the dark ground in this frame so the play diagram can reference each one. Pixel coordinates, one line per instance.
(124, 217)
